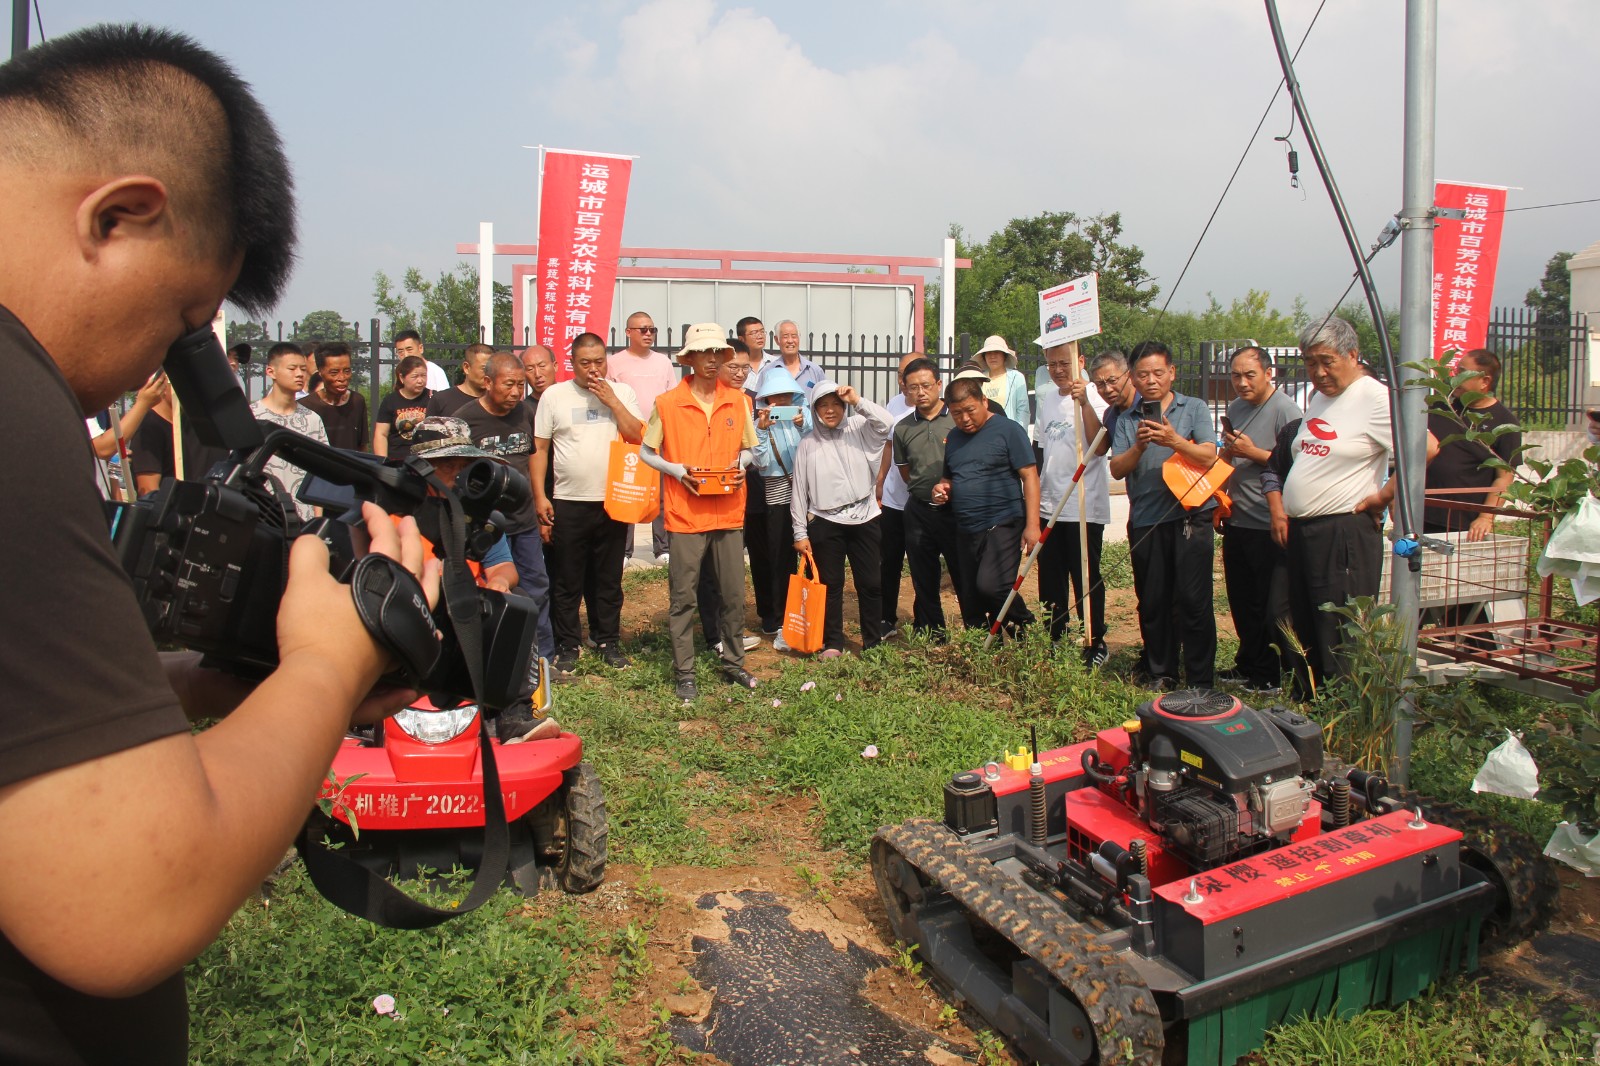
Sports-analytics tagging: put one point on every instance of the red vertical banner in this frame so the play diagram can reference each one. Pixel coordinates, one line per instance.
(581, 203)
(1465, 253)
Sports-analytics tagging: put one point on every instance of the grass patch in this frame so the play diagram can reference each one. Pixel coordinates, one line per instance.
(293, 980)
(1455, 1025)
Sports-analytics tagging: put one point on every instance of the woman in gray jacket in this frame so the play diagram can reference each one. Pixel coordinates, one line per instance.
(835, 510)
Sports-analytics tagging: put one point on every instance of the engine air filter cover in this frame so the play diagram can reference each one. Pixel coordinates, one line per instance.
(1195, 704)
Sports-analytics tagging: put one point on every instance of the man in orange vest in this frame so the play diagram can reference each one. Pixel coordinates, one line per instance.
(701, 437)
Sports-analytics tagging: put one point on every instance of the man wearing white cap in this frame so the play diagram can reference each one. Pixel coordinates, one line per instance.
(701, 436)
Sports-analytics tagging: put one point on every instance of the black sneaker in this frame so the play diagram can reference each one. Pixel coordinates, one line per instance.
(1158, 684)
(771, 629)
(613, 656)
(1263, 688)
(1231, 677)
(1095, 655)
(740, 676)
(687, 690)
(564, 664)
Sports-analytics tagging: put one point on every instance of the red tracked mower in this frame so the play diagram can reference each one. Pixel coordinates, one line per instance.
(1170, 889)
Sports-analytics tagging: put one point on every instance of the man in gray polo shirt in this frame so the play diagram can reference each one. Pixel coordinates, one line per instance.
(1171, 547)
(1253, 564)
(918, 452)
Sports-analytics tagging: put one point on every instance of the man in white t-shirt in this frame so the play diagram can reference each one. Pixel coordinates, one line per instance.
(1069, 411)
(287, 369)
(648, 373)
(892, 496)
(575, 424)
(1334, 492)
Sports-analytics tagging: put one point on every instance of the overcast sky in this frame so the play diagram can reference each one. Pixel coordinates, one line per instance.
(842, 126)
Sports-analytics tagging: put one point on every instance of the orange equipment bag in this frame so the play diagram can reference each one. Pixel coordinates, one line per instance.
(802, 616)
(1194, 484)
(633, 490)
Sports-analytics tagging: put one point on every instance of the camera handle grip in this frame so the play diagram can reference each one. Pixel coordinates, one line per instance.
(393, 607)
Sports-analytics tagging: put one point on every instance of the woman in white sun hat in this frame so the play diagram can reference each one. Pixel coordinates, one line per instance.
(1006, 385)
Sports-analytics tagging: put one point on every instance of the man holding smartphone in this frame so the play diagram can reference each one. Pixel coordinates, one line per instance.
(1171, 547)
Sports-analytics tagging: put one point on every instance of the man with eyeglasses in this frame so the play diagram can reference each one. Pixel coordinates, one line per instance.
(1108, 373)
(343, 411)
(575, 424)
(648, 373)
(1067, 411)
(918, 446)
(733, 372)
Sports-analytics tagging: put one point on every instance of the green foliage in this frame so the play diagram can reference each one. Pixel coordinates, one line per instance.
(447, 308)
(1000, 292)
(1567, 751)
(1379, 671)
(324, 326)
(631, 945)
(1553, 297)
(1445, 1029)
(1554, 489)
(293, 980)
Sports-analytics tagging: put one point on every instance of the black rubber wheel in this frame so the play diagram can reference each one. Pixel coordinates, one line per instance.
(581, 831)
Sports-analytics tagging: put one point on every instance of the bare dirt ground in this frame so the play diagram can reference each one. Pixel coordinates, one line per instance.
(690, 911)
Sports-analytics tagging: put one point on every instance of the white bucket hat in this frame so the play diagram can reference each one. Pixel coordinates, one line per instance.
(703, 337)
(996, 343)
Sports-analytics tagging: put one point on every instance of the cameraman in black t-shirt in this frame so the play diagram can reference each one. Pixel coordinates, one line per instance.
(140, 184)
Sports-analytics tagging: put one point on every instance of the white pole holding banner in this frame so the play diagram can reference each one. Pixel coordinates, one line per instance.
(486, 282)
(947, 298)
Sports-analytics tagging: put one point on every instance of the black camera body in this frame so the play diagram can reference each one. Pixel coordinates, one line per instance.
(209, 558)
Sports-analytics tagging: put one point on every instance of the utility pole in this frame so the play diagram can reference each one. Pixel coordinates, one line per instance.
(19, 27)
(1416, 325)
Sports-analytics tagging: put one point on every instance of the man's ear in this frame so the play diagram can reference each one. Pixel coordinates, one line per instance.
(130, 206)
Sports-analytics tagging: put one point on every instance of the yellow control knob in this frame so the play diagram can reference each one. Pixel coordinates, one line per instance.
(1131, 725)
(1019, 760)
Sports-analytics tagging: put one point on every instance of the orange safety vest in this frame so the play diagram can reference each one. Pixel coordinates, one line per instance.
(714, 443)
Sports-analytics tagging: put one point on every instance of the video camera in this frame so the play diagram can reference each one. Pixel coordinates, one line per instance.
(209, 558)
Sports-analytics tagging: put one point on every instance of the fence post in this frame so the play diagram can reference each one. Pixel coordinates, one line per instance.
(377, 366)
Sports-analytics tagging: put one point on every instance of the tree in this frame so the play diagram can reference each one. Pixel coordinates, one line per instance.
(1552, 306)
(447, 309)
(324, 326)
(1000, 292)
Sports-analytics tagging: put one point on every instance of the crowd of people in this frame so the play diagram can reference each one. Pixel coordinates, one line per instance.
(767, 462)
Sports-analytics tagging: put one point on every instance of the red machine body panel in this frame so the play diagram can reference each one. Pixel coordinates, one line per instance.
(1308, 864)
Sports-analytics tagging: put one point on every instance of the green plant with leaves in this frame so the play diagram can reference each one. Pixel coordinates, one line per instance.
(631, 944)
(1567, 750)
(1379, 671)
(332, 799)
(1554, 488)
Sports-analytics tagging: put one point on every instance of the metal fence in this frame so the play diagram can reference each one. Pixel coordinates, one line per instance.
(1544, 363)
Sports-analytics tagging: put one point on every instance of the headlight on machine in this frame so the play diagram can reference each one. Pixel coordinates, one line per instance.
(436, 727)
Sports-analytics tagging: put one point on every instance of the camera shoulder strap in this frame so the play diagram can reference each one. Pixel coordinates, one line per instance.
(351, 886)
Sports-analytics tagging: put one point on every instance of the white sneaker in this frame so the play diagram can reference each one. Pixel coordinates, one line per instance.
(751, 642)
(661, 560)
(779, 644)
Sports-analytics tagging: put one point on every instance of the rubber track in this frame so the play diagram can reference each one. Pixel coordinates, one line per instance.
(1126, 1021)
(1529, 878)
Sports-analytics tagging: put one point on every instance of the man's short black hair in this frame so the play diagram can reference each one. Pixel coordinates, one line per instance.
(331, 350)
(281, 349)
(1145, 349)
(108, 94)
(240, 352)
(1261, 357)
(739, 346)
(745, 323)
(917, 366)
(963, 389)
(502, 363)
(407, 335)
(587, 340)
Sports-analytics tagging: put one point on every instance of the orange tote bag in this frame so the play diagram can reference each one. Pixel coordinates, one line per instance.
(802, 617)
(633, 490)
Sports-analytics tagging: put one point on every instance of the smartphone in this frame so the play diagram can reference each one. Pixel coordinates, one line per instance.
(1227, 425)
(783, 414)
(1150, 410)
